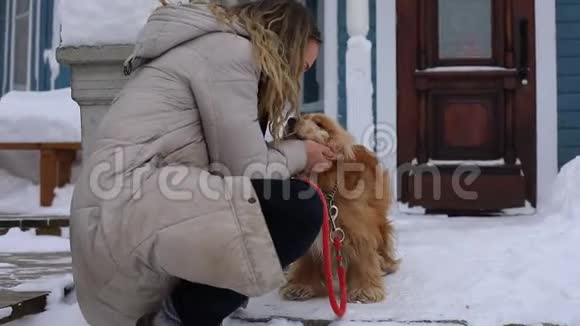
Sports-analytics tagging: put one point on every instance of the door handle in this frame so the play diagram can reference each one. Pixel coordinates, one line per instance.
(524, 59)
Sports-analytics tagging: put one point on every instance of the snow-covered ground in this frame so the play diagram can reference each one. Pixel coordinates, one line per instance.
(17, 241)
(520, 269)
(19, 196)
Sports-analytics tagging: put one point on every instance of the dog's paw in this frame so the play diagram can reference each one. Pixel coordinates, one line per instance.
(366, 295)
(297, 292)
(390, 267)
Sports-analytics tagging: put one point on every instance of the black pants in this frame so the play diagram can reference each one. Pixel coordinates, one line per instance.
(293, 214)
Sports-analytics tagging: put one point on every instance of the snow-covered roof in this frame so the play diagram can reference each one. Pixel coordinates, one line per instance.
(50, 116)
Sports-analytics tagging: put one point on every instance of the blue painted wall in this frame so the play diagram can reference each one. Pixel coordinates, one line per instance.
(311, 88)
(342, 39)
(2, 40)
(568, 40)
(41, 34)
(63, 79)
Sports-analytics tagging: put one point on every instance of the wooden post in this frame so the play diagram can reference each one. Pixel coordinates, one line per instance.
(65, 159)
(48, 176)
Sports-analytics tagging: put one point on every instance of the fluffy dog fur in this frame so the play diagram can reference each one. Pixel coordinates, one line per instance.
(368, 249)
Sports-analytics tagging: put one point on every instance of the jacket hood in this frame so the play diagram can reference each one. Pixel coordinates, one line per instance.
(171, 25)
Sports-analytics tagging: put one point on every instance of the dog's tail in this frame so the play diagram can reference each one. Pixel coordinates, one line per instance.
(389, 262)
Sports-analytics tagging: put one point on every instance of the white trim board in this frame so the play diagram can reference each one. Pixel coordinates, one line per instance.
(386, 88)
(37, 50)
(13, 27)
(13, 44)
(330, 53)
(29, 55)
(546, 99)
(547, 102)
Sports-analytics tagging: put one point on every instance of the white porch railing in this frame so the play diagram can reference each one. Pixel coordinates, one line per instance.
(359, 86)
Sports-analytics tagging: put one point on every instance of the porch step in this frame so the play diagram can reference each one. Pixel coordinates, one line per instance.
(386, 322)
(15, 305)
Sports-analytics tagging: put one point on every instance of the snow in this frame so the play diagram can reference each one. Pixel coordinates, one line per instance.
(50, 116)
(487, 271)
(20, 196)
(528, 209)
(59, 311)
(17, 241)
(498, 162)
(58, 314)
(464, 68)
(89, 22)
(5, 312)
(404, 208)
(566, 195)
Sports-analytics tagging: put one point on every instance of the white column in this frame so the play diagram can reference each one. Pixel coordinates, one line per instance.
(547, 100)
(330, 53)
(359, 87)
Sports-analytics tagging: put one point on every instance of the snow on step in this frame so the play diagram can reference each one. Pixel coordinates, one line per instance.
(464, 68)
(5, 312)
(50, 116)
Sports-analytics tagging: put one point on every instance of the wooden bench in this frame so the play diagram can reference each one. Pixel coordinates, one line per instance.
(56, 161)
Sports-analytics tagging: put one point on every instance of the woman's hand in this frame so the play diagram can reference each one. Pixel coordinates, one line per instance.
(318, 157)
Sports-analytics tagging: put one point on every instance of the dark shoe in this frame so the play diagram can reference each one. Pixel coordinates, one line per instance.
(146, 320)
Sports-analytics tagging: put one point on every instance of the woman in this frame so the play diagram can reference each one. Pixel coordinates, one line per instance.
(183, 210)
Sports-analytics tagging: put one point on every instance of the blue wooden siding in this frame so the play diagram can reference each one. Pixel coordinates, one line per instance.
(6, 38)
(311, 87)
(342, 39)
(2, 44)
(63, 79)
(41, 40)
(568, 42)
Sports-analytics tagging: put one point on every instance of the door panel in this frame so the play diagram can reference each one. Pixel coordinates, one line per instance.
(466, 85)
(477, 113)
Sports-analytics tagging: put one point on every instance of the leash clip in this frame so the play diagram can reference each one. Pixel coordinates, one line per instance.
(337, 233)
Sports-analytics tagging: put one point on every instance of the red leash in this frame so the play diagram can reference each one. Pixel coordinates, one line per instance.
(337, 237)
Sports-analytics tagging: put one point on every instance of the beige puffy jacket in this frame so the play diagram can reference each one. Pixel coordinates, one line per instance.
(166, 192)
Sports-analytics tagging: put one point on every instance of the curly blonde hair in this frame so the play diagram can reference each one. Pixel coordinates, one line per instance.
(279, 31)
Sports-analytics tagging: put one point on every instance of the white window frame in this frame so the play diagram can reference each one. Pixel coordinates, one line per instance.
(13, 45)
(5, 80)
(317, 106)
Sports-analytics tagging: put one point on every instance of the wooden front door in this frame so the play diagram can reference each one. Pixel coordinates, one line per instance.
(466, 104)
